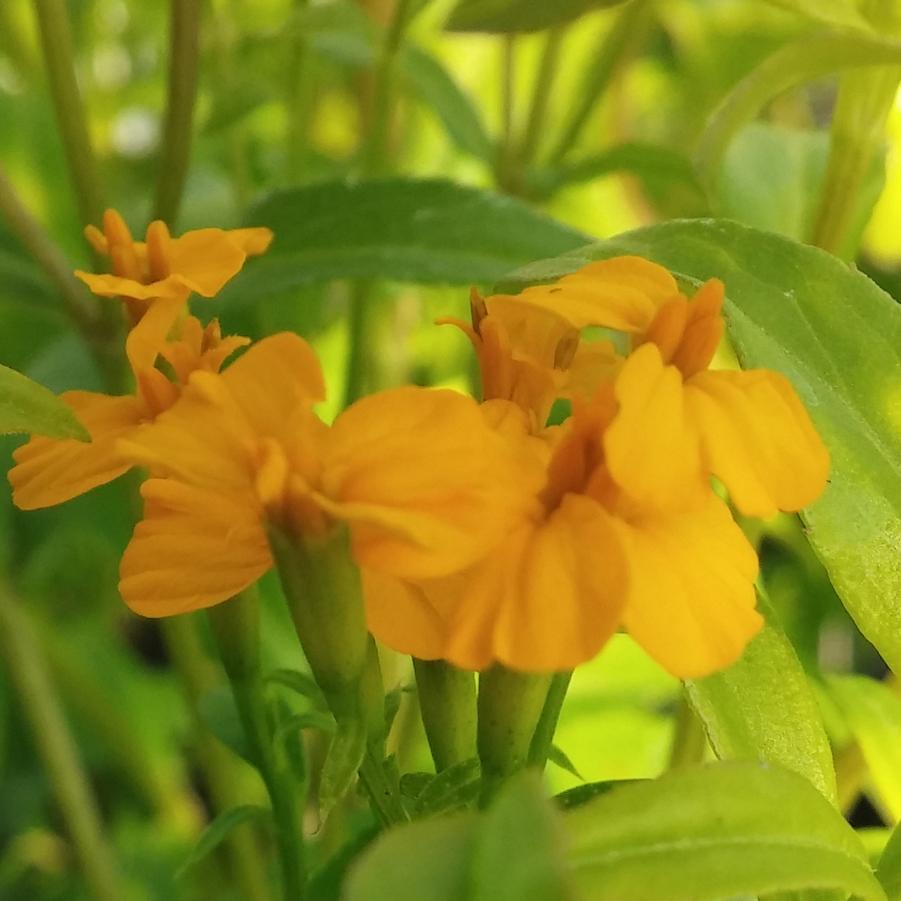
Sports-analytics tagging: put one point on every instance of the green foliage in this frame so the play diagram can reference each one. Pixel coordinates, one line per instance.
(218, 831)
(26, 406)
(505, 16)
(345, 754)
(889, 867)
(762, 708)
(714, 832)
(403, 229)
(835, 334)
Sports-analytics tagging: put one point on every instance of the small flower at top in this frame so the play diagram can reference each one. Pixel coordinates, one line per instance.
(161, 266)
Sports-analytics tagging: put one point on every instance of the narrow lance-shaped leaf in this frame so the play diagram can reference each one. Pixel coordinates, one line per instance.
(26, 406)
(506, 16)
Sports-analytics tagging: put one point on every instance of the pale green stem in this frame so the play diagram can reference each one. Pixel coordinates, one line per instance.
(375, 162)
(623, 39)
(541, 93)
(54, 742)
(298, 98)
(184, 60)
(236, 626)
(506, 164)
(543, 739)
(858, 134)
(447, 700)
(220, 772)
(510, 707)
(59, 58)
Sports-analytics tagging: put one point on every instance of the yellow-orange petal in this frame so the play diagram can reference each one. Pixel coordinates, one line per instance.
(107, 285)
(192, 549)
(691, 588)
(206, 259)
(757, 438)
(253, 241)
(423, 481)
(545, 600)
(703, 329)
(400, 615)
(651, 448)
(622, 293)
(273, 378)
(49, 471)
(146, 340)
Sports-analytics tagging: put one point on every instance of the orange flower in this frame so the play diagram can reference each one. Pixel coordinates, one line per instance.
(677, 416)
(530, 356)
(201, 261)
(583, 559)
(50, 471)
(244, 448)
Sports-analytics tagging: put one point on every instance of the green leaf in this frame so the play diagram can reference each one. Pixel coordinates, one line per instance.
(220, 715)
(714, 832)
(519, 852)
(841, 13)
(762, 708)
(403, 229)
(582, 794)
(836, 336)
(303, 683)
(26, 406)
(794, 64)
(505, 16)
(559, 758)
(345, 754)
(785, 198)
(454, 787)
(443, 96)
(872, 712)
(655, 165)
(889, 869)
(427, 860)
(218, 831)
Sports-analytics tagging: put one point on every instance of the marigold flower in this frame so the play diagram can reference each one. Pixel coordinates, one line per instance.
(584, 559)
(49, 471)
(416, 473)
(161, 266)
(676, 416)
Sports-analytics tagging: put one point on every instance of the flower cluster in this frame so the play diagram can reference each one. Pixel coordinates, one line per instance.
(483, 534)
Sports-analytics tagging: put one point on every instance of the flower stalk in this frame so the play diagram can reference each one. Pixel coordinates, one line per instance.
(447, 700)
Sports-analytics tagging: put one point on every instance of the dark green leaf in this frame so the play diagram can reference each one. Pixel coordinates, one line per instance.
(559, 757)
(402, 229)
(26, 406)
(454, 787)
(504, 16)
(220, 715)
(582, 794)
(218, 831)
(715, 832)
(345, 754)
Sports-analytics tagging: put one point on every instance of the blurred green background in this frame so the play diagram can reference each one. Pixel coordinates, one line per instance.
(593, 122)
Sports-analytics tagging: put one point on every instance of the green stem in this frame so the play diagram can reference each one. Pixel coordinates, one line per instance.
(624, 37)
(689, 739)
(541, 93)
(506, 165)
(236, 626)
(858, 134)
(298, 98)
(375, 162)
(218, 766)
(510, 706)
(27, 669)
(447, 700)
(184, 59)
(59, 58)
(547, 723)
